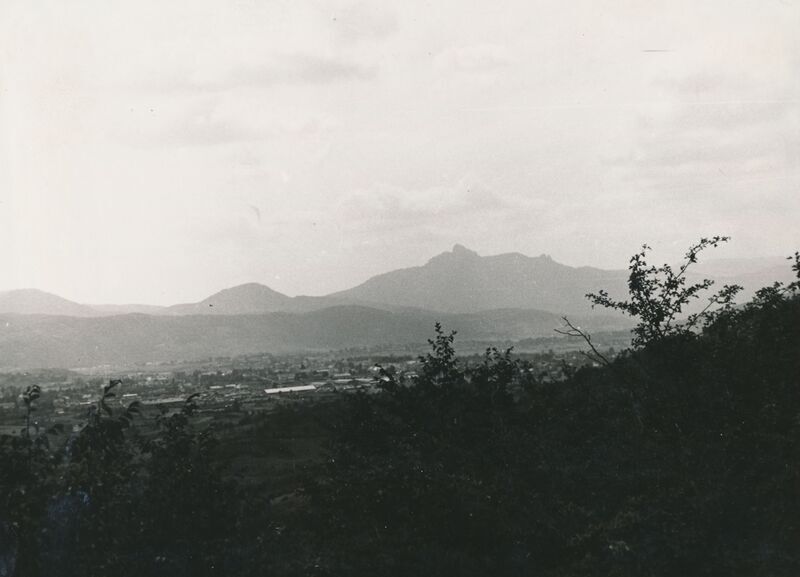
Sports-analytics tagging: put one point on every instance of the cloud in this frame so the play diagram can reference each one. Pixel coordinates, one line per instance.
(364, 21)
(734, 116)
(205, 130)
(727, 102)
(705, 83)
(302, 69)
(739, 144)
(220, 119)
(478, 58)
(725, 129)
(390, 207)
(287, 70)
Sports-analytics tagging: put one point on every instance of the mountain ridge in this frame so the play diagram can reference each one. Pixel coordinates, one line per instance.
(463, 281)
(455, 281)
(34, 301)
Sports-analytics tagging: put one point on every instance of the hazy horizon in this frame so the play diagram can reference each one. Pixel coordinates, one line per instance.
(708, 265)
(157, 152)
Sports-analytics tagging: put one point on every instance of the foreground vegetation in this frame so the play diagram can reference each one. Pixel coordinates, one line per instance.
(677, 457)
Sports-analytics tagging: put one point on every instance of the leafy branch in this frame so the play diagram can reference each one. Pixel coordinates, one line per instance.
(659, 295)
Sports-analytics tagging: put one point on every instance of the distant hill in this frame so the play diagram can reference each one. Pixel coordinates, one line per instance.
(109, 310)
(751, 273)
(250, 298)
(34, 301)
(463, 281)
(255, 298)
(38, 341)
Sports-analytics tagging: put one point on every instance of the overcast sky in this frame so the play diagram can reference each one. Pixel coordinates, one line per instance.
(157, 151)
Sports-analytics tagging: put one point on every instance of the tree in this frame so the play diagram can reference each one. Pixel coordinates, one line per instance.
(659, 295)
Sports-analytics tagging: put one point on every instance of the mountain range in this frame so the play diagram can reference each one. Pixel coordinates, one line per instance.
(501, 297)
(458, 281)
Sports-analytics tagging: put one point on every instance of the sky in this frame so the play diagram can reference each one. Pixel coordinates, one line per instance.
(157, 152)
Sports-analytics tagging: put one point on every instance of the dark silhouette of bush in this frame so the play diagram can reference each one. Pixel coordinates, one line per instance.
(113, 502)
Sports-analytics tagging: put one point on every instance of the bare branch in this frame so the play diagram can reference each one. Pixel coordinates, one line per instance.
(573, 331)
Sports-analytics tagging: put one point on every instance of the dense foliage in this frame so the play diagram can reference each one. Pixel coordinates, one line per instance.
(677, 457)
(109, 501)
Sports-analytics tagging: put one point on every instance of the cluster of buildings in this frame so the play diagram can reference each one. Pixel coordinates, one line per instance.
(247, 383)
